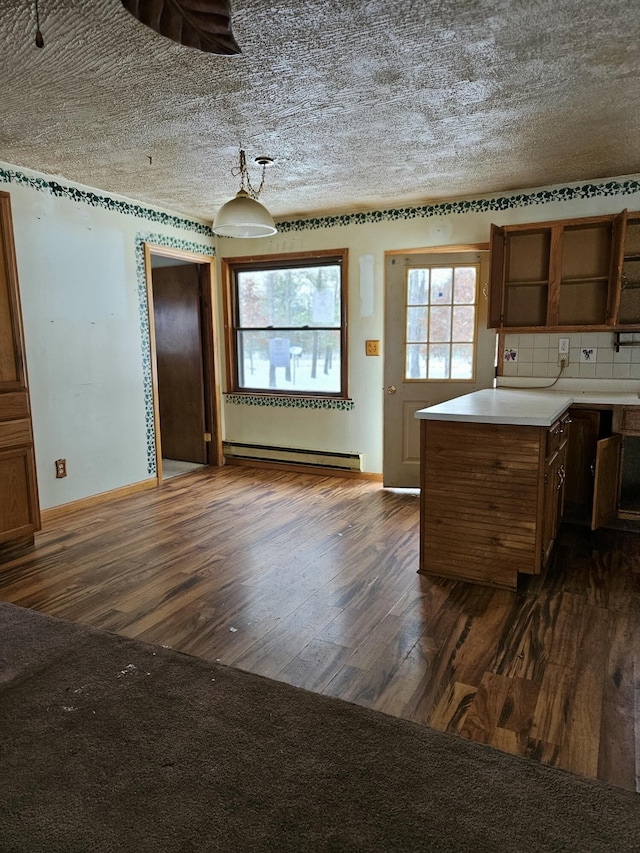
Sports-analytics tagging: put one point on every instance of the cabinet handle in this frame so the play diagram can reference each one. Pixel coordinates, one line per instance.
(562, 476)
(592, 468)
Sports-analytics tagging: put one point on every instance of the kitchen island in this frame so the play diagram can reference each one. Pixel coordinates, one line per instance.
(492, 476)
(493, 473)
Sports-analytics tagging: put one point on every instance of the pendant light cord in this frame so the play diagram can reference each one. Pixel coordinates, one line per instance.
(243, 172)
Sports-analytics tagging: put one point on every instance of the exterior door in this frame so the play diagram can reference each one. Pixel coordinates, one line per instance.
(180, 359)
(437, 346)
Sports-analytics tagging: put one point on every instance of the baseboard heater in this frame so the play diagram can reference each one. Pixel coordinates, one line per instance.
(293, 456)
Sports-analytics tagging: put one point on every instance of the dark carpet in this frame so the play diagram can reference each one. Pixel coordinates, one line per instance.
(107, 744)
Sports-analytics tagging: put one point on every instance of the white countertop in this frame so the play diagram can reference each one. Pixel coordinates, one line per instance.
(522, 406)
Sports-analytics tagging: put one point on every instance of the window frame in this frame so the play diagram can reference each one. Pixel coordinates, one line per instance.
(232, 266)
(476, 306)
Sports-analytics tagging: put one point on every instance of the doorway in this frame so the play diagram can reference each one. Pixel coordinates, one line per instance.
(437, 345)
(186, 389)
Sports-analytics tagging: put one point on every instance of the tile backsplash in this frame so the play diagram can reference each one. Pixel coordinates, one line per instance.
(591, 356)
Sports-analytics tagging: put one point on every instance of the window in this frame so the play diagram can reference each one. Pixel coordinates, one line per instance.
(286, 324)
(441, 304)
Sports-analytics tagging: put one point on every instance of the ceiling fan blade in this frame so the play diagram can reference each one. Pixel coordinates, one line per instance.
(201, 24)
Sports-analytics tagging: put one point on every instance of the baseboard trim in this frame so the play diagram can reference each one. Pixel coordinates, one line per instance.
(302, 469)
(61, 510)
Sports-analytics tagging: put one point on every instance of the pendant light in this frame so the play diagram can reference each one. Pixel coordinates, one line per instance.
(244, 216)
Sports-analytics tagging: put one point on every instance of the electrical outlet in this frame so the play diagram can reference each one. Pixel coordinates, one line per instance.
(563, 359)
(61, 468)
(563, 346)
(372, 347)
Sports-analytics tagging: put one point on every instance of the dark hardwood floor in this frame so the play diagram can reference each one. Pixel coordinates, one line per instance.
(312, 580)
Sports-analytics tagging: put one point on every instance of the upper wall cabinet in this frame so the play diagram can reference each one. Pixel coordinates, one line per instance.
(570, 274)
(629, 302)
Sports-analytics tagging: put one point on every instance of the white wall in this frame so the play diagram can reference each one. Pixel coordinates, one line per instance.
(458, 223)
(81, 280)
(87, 351)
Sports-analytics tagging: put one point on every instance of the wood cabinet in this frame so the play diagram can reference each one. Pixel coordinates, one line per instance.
(626, 422)
(557, 275)
(491, 499)
(593, 466)
(19, 510)
(555, 475)
(628, 308)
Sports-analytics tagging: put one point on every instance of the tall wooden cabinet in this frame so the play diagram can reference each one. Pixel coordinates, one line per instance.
(19, 510)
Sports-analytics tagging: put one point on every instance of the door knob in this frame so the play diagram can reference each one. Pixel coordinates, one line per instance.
(391, 389)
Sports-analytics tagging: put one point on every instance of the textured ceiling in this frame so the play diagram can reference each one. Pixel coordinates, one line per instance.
(361, 103)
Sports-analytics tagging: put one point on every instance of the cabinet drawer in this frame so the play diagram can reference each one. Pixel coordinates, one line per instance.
(15, 433)
(631, 420)
(558, 433)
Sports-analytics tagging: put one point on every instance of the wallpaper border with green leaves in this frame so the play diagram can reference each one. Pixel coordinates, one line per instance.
(102, 200)
(391, 214)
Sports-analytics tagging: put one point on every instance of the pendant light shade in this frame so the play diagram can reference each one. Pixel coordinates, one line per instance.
(243, 216)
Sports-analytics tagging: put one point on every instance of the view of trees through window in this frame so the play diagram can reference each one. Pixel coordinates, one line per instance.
(289, 328)
(440, 322)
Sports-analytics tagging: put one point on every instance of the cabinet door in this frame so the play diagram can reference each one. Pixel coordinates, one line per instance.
(19, 511)
(561, 275)
(627, 307)
(581, 457)
(606, 485)
(496, 277)
(584, 262)
(11, 364)
(17, 494)
(554, 478)
(527, 256)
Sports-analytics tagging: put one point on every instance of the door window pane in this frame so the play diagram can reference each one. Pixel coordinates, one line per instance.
(439, 361)
(441, 283)
(440, 324)
(416, 361)
(465, 285)
(416, 324)
(464, 319)
(461, 361)
(418, 287)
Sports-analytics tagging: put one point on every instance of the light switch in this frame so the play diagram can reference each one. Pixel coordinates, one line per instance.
(372, 347)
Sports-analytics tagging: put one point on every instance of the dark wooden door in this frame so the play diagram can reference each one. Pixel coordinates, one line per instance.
(180, 360)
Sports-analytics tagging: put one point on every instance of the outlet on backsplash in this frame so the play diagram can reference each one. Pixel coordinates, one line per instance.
(589, 355)
(563, 352)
